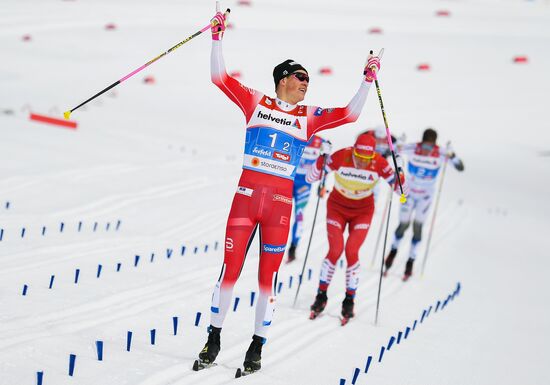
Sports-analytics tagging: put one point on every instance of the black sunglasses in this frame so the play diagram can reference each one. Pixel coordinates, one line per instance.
(301, 76)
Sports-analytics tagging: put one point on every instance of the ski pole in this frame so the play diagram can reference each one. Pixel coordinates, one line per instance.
(382, 264)
(319, 189)
(402, 199)
(381, 227)
(67, 114)
(435, 213)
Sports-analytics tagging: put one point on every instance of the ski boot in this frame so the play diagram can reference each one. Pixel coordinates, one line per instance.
(253, 358)
(319, 304)
(291, 253)
(347, 309)
(389, 261)
(210, 351)
(408, 270)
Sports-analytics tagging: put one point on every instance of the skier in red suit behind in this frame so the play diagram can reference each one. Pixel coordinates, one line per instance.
(357, 170)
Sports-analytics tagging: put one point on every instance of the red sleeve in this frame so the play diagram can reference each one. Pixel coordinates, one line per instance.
(245, 98)
(385, 170)
(319, 119)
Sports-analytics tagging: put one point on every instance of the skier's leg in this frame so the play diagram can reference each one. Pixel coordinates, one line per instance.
(274, 228)
(336, 224)
(239, 232)
(358, 231)
(302, 192)
(421, 212)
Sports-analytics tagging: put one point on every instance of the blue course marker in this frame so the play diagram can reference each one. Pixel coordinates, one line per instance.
(99, 267)
(117, 225)
(252, 296)
(341, 263)
(414, 324)
(128, 341)
(136, 260)
(399, 335)
(279, 288)
(355, 375)
(39, 378)
(51, 281)
(429, 311)
(367, 365)
(216, 245)
(300, 279)
(168, 253)
(152, 257)
(107, 226)
(437, 306)
(290, 282)
(23, 232)
(43, 230)
(390, 342)
(206, 248)
(1, 234)
(95, 226)
(72, 360)
(309, 273)
(407, 331)
(61, 226)
(25, 287)
(342, 381)
(196, 250)
(79, 226)
(153, 333)
(175, 325)
(198, 318)
(236, 303)
(7, 205)
(182, 250)
(423, 316)
(76, 275)
(99, 347)
(118, 266)
(382, 349)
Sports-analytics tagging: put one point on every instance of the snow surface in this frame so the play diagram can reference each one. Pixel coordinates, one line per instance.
(164, 159)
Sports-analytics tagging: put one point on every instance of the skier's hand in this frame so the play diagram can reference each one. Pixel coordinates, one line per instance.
(218, 23)
(322, 192)
(372, 68)
(326, 147)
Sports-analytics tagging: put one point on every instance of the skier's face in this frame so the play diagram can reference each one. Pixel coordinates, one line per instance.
(427, 147)
(296, 86)
(361, 162)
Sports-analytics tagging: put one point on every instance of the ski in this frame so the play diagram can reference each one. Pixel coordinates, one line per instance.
(200, 365)
(344, 320)
(314, 314)
(244, 372)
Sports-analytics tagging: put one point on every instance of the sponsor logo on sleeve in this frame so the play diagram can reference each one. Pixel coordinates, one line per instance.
(318, 111)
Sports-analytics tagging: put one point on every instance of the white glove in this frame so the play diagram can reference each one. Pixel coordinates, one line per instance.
(326, 147)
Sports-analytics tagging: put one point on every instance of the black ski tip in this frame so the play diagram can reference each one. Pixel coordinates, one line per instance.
(371, 51)
(227, 10)
(196, 366)
(238, 373)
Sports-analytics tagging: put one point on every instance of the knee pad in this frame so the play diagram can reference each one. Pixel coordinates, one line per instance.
(403, 226)
(417, 231)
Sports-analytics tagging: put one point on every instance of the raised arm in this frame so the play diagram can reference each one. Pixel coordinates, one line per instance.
(245, 98)
(320, 119)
